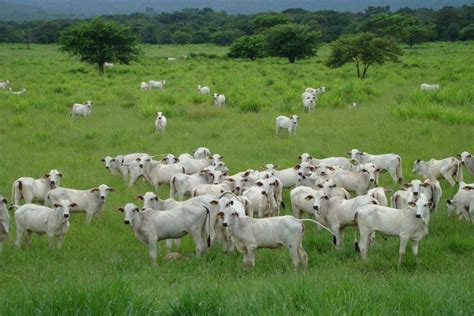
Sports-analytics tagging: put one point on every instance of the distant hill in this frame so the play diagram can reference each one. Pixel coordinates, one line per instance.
(23, 10)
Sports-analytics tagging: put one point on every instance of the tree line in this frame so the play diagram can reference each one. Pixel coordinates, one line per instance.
(194, 26)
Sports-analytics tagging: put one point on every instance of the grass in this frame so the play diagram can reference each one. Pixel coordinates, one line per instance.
(103, 269)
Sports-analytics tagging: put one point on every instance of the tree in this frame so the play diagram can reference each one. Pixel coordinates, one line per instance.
(467, 33)
(250, 47)
(291, 41)
(265, 21)
(180, 37)
(223, 38)
(416, 34)
(100, 41)
(364, 50)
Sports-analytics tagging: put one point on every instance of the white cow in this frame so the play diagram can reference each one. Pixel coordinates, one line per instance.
(157, 173)
(144, 86)
(181, 184)
(413, 190)
(160, 122)
(32, 218)
(341, 162)
(151, 226)
(410, 223)
(462, 204)
(356, 181)
(309, 101)
(467, 160)
(120, 165)
(82, 109)
(262, 197)
(108, 65)
(249, 234)
(4, 84)
(379, 194)
(429, 87)
(23, 90)
(201, 152)
(4, 221)
(435, 169)
(34, 190)
(284, 122)
(228, 185)
(385, 162)
(171, 58)
(302, 199)
(204, 90)
(156, 84)
(219, 99)
(91, 201)
(289, 176)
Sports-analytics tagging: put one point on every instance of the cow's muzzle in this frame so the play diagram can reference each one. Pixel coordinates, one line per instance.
(126, 222)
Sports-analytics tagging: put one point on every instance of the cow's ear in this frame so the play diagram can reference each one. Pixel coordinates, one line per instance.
(449, 201)
(60, 174)
(120, 209)
(412, 204)
(111, 189)
(140, 197)
(213, 202)
(319, 186)
(312, 168)
(259, 183)
(468, 188)
(46, 176)
(299, 157)
(407, 185)
(94, 190)
(331, 168)
(418, 160)
(308, 197)
(73, 205)
(103, 160)
(296, 167)
(57, 205)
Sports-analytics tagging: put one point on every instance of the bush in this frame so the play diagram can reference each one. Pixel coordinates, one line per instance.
(250, 47)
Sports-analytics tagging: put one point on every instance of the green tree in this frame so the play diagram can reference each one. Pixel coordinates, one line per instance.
(364, 50)
(416, 34)
(467, 33)
(180, 37)
(291, 41)
(225, 37)
(452, 33)
(100, 41)
(265, 21)
(250, 47)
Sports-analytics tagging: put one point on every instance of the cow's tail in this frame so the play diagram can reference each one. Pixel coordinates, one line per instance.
(399, 170)
(172, 187)
(17, 188)
(317, 223)
(208, 217)
(459, 177)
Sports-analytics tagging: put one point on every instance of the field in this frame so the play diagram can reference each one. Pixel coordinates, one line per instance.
(103, 269)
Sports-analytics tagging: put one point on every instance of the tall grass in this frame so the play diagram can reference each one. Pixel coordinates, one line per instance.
(103, 269)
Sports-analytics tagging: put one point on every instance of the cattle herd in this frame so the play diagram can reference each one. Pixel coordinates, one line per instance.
(242, 210)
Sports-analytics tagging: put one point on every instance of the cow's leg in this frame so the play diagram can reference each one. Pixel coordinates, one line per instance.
(403, 246)
(152, 250)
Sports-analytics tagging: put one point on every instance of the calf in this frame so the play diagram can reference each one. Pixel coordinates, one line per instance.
(91, 201)
(262, 198)
(82, 109)
(309, 102)
(4, 84)
(386, 162)
(160, 123)
(429, 87)
(32, 218)
(219, 100)
(34, 190)
(144, 86)
(150, 226)
(410, 223)
(435, 169)
(181, 184)
(283, 122)
(156, 84)
(462, 204)
(4, 221)
(204, 90)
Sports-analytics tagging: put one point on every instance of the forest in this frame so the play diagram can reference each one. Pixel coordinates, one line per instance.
(196, 26)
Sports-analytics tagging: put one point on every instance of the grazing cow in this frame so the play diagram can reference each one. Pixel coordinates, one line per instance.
(462, 204)
(160, 123)
(151, 226)
(34, 190)
(171, 58)
(156, 84)
(283, 122)
(249, 234)
(410, 223)
(108, 65)
(204, 90)
(82, 109)
(467, 159)
(219, 99)
(157, 173)
(359, 182)
(435, 169)
(4, 84)
(91, 201)
(4, 221)
(32, 218)
(144, 86)
(386, 162)
(429, 87)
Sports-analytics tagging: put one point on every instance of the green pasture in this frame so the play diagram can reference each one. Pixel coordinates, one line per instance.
(103, 270)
